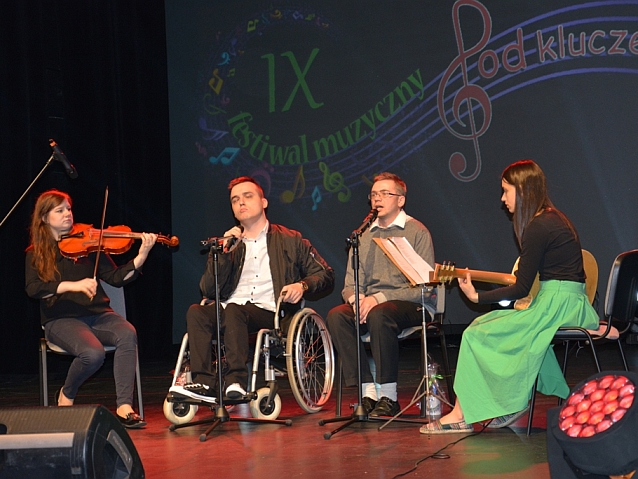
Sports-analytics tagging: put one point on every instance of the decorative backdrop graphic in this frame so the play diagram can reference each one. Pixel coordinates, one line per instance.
(314, 99)
(577, 40)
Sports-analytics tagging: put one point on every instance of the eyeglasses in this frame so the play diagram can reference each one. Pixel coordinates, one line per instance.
(382, 194)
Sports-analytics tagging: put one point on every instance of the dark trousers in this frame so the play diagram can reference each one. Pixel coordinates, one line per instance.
(384, 323)
(238, 321)
(85, 339)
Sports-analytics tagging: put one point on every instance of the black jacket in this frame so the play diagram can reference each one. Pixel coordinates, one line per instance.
(292, 259)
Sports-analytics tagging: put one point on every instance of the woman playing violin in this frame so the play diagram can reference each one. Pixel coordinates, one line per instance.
(75, 310)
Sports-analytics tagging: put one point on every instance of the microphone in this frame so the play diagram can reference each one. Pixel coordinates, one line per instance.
(367, 221)
(232, 242)
(59, 155)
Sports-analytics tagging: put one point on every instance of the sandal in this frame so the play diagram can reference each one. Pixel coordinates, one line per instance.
(507, 419)
(453, 428)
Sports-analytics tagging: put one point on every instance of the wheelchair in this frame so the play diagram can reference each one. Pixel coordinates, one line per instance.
(309, 365)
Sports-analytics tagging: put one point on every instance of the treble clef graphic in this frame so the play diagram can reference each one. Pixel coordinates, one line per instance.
(468, 94)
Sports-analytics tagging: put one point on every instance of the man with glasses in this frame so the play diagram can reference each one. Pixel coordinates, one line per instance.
(387, 302)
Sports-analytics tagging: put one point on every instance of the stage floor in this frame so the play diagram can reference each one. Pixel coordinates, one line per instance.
(242, 450)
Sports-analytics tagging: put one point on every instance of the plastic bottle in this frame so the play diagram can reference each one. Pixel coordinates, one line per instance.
(433, 410)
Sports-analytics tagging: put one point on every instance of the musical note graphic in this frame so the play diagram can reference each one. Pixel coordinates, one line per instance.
(263, 173)
(225, 100)
(215, 83)
(227, 155)
(276, 14)
(472, 96)
(298, 188)
(297, 15)
(210, 106)
(333, 182)
(210, 134)
(367, 180)
(225, 59)
(231, 72)
(201, 149)
(252, 25)
(316, 198)
(231, 49)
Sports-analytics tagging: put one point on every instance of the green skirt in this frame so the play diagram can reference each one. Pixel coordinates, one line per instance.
(502, 352)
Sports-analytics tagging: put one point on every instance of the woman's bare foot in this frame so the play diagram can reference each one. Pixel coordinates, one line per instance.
(63, 400)
(451, 418)
(454, 416)
(124, 410)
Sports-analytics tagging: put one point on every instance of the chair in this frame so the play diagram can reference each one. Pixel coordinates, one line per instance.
(620, 306)
(116, 295)
(433, 328)
(301, 338)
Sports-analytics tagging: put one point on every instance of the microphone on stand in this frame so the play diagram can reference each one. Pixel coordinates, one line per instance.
(367, 221)
(59, 155)
(232, 240)
(230, 245)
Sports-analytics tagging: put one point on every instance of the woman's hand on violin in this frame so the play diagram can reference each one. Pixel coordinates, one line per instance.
(87, 286)
(148, 240)
(468, 288)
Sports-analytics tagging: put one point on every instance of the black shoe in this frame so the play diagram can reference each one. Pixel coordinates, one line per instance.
(386, 407)
(368, 404)
(131, 421)
(195, 391)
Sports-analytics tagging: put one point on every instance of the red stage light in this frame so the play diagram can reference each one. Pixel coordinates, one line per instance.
(595, 406)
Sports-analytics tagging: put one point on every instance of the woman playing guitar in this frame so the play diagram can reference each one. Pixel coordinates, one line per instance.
(502, 352)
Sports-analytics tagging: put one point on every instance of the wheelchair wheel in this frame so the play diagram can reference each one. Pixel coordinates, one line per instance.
(258, 408)
(179, 412)
(309, 360)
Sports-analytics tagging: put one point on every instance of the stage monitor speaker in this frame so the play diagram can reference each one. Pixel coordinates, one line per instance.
(79, 442)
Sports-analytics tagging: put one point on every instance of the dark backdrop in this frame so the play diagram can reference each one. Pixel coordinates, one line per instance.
(96, 77)
(91, 75)
(551, 80)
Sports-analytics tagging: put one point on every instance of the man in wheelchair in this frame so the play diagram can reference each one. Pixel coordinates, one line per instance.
(387, 303)
(260, 262)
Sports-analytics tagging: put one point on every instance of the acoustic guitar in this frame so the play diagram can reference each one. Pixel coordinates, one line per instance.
(447, 272)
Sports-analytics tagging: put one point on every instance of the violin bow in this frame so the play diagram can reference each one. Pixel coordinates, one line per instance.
(99, 243)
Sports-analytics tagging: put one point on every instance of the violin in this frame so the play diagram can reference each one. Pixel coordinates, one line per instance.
(84, 239)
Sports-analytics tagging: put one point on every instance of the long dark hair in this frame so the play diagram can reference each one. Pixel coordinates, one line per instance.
(531, 195)
(44, 245)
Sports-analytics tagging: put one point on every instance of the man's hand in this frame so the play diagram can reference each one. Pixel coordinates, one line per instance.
(235, 231)
(292, 293)
(365, 305)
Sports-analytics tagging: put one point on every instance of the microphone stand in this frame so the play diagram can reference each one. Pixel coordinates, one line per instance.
(359, 414)
(46, 165)
(221, 414)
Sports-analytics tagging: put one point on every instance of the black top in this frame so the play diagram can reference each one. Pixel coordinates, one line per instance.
(549, 248)
(74, 304)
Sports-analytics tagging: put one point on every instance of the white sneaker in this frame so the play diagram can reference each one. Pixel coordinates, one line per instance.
(195, 391)
(235, 391)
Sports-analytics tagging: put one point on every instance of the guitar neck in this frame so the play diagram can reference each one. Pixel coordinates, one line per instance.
(443, 273)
